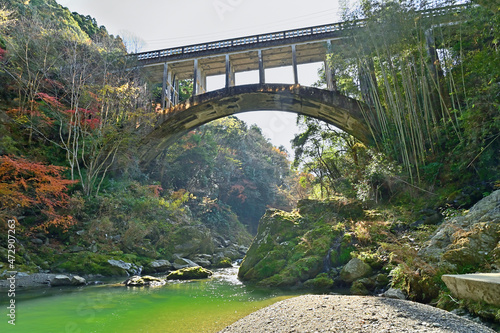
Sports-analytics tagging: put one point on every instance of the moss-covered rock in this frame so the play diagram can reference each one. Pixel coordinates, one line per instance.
(292, 248)
(141, 281)
(321, 281)
(355, 269)
(87, 262)
(224, 263)
(190, 273)
(190, 240)
(463, 243)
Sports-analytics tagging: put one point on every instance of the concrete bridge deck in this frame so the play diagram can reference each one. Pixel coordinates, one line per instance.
(255, 52)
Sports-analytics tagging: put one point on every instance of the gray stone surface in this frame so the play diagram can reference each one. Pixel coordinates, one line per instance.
(78, 281)
(478, 287)
(127, 267)
(180, 263)
(160, 265)
(394, 293)
(468, 239)
(60, 280)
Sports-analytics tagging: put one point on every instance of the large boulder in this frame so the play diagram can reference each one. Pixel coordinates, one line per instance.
(202, 260)
(355, 269)
(469, 240)
(191, 240)
(128, 268)
(78, 281)
(293, 247)
(60, 280)
(158, 266)
(190, 273)
(180, 263)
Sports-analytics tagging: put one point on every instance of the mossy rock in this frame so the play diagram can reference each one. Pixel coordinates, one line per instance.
(346, 208)
(190, 273)
(359, 288)
(224, 262)
(321, 281)
(146, 280)
(87, 262)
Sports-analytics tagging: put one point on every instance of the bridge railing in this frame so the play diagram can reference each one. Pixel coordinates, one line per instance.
(248, 40)
(316, 31)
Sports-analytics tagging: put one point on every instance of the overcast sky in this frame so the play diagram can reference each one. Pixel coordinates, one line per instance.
(162, 24)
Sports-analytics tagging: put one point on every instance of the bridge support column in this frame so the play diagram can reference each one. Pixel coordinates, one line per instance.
(199, 79)
(166, 93)
(331, 83)
(176, 91)
(229, 73)
(262, 73)
(294, 65)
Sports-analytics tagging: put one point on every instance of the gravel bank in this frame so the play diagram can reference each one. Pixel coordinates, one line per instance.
(334, 313)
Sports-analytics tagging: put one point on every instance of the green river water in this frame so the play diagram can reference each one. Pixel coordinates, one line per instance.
(194, 306)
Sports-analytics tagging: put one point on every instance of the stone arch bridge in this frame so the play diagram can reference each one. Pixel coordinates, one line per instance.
(345, 113)
(290, 48)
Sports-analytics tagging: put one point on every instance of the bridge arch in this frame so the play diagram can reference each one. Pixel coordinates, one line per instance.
(343, 112)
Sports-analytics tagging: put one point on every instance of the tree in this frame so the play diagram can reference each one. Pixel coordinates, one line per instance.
(81, 88)
(35, 187)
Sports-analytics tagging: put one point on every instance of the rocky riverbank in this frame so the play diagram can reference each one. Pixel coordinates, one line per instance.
(36, 280)
(334, 313)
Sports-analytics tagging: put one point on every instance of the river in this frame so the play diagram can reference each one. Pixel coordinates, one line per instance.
(194, 306)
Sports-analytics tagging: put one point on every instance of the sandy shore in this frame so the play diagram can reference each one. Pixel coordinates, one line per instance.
(335, 313)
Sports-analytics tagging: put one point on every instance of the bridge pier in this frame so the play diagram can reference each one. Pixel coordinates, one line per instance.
(331, 83)
(294, 65)
(199, 79)
(262, 73)
(230, 80)
(166, 92)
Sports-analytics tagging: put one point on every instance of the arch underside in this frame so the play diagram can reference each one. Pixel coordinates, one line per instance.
(343, 112)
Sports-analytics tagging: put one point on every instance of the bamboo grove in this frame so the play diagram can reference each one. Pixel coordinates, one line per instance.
(431, 84)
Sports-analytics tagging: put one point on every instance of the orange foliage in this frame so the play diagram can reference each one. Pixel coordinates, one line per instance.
(88, 119)
(156, 190)
(237, 190)
(26, 184)
(279, 152)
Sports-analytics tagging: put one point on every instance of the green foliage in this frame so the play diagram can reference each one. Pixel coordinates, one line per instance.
(227, 165)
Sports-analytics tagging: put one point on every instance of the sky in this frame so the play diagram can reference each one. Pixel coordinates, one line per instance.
(157, 24)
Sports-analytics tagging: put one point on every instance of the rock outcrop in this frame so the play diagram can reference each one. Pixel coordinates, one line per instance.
(158, 266)
(469, 240)
(65, 280)
(292, 248)
(128, 268)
